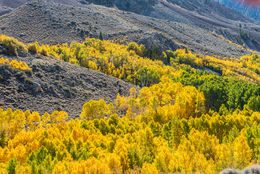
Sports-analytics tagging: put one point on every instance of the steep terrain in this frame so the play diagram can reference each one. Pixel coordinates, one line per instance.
(209, 15)
(49, 22)
(55, 85)
(209, 8)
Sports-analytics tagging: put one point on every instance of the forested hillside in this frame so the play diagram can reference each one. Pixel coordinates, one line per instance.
(193, 114)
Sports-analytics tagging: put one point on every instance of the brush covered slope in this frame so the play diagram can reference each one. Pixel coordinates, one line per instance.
(190, 116)
(46, 84)
(59, 23)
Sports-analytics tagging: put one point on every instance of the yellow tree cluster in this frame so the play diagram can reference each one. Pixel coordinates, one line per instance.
(162, 128)
(125, 61)
(12, 45)
(128, 61)
(163, 101)
(245, 68)
(15, 64)
(121, 61)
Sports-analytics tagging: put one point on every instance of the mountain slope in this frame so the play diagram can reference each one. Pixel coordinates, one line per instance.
(206, 14)
(146, 7)
(55, 85)
(49, 22)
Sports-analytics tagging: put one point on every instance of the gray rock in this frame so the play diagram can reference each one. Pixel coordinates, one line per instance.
(230, 171)
(252, 170)
(36, 87)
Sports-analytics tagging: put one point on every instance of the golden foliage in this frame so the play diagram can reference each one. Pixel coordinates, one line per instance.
(163, 127)
(157, 137)
(245, 68)
(128, 62)
(12, 45)
(15, 64)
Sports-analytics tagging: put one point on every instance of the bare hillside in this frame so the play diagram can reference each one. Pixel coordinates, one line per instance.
(207, 14)
(55, 85)
(49, 22)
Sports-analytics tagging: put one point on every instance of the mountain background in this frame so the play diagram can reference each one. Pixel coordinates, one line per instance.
(163, 24)
(251, 11)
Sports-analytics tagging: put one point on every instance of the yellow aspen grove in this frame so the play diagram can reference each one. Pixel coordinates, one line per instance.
(188, 113)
